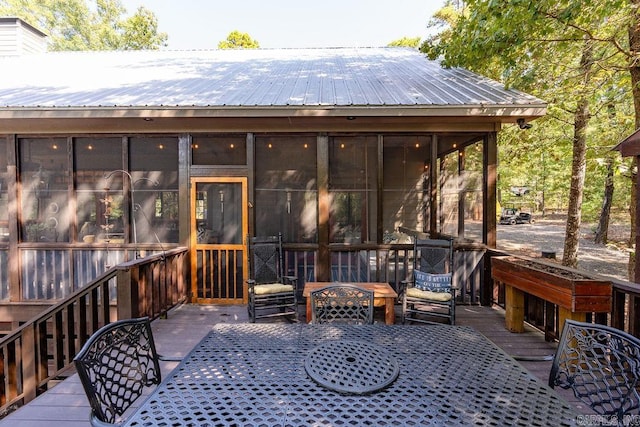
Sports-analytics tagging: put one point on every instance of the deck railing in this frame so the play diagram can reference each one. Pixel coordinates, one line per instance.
(390, 263)
(625, 309)
(39, 351)
(350, 263)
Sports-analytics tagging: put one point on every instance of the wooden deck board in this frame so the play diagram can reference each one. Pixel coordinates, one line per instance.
(66, 405)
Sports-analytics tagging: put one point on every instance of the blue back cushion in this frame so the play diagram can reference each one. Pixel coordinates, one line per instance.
(432, 282)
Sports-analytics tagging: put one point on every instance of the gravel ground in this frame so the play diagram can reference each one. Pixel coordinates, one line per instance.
(548, 235)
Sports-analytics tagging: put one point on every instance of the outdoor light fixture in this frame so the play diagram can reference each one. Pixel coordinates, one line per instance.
(524, 125)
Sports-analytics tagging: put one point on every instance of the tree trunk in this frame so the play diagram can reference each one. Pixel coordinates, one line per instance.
(578, 166)
(605, 213)
(578, 170)
(634, 70)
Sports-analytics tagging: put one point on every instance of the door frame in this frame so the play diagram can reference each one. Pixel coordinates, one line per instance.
(193, 238)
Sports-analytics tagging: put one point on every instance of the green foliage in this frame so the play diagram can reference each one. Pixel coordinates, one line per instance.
(88, 25)
(537, 47)
(413, 42)
(444, 21)
(140, 31)
(238, 40)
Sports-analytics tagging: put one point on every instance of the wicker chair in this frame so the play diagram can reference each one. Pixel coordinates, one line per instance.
(430, 293)
(345, 304)
(601, 365)
(115, 366)
(271, 293)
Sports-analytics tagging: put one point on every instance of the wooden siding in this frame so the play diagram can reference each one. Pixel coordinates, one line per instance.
(18, 38)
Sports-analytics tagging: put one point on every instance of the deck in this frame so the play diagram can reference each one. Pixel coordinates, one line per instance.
(65, 405)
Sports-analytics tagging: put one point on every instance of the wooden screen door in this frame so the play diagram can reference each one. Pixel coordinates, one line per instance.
(219, 226)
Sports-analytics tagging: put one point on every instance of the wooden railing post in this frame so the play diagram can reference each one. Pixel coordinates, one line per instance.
(28, 356)
(514, 313)
(127, 295)
(634, 309)
(618, 310)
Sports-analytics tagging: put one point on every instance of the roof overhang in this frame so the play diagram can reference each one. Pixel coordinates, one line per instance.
(244, 118)
(630, 146)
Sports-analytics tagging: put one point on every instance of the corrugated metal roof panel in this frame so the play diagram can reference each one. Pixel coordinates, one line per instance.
(218, 78)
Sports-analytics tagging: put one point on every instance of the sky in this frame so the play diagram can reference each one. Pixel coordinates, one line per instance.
(201, 24)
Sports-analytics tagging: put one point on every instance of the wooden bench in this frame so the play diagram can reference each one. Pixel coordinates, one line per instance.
(573, 293)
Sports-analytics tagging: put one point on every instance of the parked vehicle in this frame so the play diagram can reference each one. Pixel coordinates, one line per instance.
(512, 216)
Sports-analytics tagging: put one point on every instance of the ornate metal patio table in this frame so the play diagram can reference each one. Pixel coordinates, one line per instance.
(254, 374)
(351, 367)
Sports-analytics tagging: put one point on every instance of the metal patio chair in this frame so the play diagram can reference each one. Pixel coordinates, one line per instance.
(345, 304)
(115, 366)
(601, 365)
(271, 293)
(430, 293)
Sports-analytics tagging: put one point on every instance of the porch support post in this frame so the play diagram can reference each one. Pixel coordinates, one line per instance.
(184, 203)
(15, 292)
(433, 187)
(461, 193)
(489, 185)
(636, 272)
(380, 191)
(323, 272)
(489, 201)
(251, 179)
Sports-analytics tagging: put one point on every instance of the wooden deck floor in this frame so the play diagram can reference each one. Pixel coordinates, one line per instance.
(65, 405)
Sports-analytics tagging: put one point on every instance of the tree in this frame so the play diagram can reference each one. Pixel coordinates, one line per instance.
(602, 231)
(238, 40)
(93, 25)
(140, 31)
(633, 56)
(406, 42)
(578, 168)
(565, 51)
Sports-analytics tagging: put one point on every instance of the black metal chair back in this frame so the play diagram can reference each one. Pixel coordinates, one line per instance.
(601, 365)
(115, 365)
(346, 304)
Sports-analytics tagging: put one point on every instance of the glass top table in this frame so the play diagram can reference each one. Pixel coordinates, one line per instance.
(255, 374)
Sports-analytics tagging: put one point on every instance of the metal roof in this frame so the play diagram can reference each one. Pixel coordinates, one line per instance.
(266, 78)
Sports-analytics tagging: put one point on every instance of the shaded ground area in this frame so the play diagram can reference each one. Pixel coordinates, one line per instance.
(547, 234)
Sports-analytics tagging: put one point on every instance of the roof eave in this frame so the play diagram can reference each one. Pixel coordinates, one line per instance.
(630, 146)
(506, 112)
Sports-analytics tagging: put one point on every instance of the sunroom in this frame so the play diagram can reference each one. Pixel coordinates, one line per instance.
(110, 156)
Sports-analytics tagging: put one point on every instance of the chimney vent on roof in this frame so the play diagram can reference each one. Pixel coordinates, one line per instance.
(19, 38)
